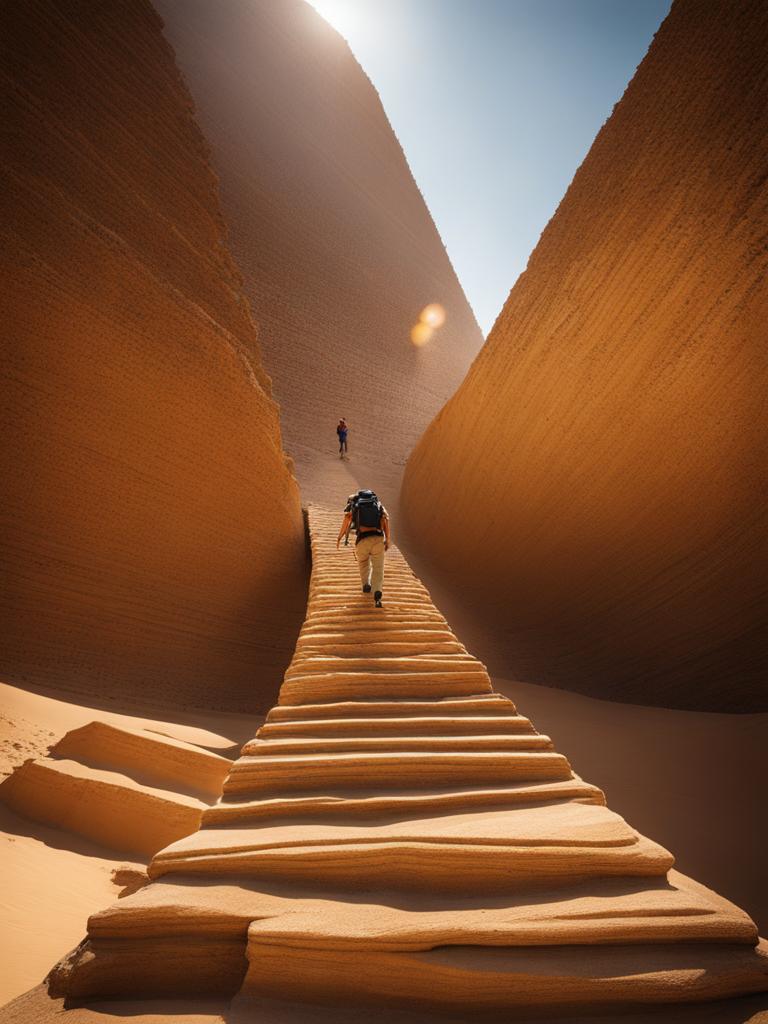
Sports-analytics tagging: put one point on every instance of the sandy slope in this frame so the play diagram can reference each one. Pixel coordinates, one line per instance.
(337, 249)
(604, 460)
(148, 510)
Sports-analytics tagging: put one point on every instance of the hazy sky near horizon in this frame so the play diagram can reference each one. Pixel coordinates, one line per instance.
(495, 103)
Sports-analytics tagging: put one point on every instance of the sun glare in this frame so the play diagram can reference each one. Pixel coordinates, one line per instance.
(346, 16)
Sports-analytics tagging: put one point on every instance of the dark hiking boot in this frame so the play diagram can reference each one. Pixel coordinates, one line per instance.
(377, 598)
(366, 588)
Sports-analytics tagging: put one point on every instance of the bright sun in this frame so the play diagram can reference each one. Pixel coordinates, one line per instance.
(346, 16)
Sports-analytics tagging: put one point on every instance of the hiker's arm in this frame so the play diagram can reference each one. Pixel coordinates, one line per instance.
(344, 527)
(385, 528)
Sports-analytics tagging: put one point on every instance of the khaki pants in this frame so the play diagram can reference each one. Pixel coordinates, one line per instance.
(369, 553)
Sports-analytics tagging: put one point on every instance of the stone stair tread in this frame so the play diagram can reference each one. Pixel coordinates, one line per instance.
(614, 910)
(401, 802)
(272, 746)
(248, 1008)
(424, 726)
(148, 757)
(469, 979)
(365, 685)
(560, 825)
(485, 703)
(300, 771)
(311, 663)
(441, 867)
(107, 807)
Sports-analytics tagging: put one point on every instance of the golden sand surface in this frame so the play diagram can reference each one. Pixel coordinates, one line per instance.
(148, 512)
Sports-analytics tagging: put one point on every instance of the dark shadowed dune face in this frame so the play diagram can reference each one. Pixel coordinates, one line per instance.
(602, 459)
(151, 533)
(338, 251)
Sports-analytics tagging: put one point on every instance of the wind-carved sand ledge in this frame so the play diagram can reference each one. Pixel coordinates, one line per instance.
(397, 836)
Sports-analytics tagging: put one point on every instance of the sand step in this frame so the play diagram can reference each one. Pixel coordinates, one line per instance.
(365, 612)
(369, 648)
(305, 664)
(147, 757)
(403, 603)
(489, 850)
(417, 769)
(490, 725)
(169, 926)
(474, 704)
(470, 980)
(104, 806)
(271, 747)
(364, 804)
(399, 803)
(342, 686)
(403, 629)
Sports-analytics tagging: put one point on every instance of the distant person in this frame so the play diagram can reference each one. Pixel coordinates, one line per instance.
(370, 520)
(341, 430)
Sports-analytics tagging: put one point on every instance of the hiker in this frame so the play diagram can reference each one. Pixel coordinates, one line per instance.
(369, 518)
(350, 500)
(341, 430)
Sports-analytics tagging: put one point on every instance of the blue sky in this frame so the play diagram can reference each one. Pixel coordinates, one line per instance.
(496, 103)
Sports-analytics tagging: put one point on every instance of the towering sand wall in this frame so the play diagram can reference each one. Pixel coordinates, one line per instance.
(338, 251)
(152, 539)
(601, 461)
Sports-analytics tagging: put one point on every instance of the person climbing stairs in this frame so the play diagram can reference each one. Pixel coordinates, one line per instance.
(398, 837)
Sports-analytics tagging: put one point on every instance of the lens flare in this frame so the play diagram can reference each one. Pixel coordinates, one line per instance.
(421, 333)
(433, 314)
(430, 319)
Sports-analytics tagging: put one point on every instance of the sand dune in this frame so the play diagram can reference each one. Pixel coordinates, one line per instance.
(602, 459)
(338, 251)
(149, 517)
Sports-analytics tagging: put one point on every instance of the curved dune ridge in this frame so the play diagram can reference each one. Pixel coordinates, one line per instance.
(338, 251)
(602, 461)
(152, 540)
(397, 836)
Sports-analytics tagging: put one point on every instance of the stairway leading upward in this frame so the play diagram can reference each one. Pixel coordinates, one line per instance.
(397, 837)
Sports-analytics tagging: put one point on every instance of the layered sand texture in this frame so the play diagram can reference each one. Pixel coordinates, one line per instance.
(338, 251)
(53, 876)
(120, 787)
(398, 836)
(602, 460)
(152, 541)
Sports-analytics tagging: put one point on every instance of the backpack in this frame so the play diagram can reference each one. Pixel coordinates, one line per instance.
(367, 510)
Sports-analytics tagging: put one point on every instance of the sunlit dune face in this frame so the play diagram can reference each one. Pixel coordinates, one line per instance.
(430, 318)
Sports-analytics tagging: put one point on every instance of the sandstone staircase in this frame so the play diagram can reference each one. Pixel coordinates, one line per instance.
(398, 838)
(129, 789)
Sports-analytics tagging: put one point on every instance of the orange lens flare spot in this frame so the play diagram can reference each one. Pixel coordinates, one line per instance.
(433, 315)
(421, 333)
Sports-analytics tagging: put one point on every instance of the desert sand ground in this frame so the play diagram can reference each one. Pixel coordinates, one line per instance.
(52, 880)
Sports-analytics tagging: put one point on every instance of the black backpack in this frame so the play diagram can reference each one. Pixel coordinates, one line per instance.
(367, 510)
